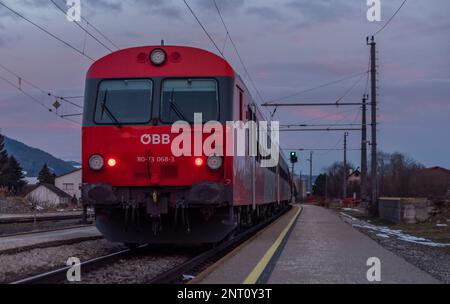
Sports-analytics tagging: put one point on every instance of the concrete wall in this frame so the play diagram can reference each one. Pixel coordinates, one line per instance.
(403, 210)
(70, 183)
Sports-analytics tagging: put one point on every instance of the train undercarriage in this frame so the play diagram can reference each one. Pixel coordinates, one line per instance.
(172, 216)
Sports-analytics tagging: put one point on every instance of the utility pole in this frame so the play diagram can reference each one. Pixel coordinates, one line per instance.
(363, 150)
(373, 95)
(310, 171)
(293, 159)
(292, 184)
(345, 166)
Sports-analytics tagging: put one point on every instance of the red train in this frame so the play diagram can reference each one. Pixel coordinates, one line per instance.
(142, 193)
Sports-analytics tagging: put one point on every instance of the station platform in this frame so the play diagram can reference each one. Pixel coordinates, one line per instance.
(308, 245)
(46, 216)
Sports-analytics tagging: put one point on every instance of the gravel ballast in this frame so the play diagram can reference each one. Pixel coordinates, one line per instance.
(23, 264)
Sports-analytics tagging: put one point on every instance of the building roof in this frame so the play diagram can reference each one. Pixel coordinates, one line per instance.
(355, 173)
(437, 169)
(55, 190)
(75, 170)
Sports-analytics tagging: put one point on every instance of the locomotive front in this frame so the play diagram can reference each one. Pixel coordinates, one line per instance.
(141, 191)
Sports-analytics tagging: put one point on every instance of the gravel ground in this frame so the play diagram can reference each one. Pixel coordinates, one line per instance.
(432, 259)
(136, 270)
(17, 266)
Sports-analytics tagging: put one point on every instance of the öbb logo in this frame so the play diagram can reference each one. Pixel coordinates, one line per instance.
(156, 139)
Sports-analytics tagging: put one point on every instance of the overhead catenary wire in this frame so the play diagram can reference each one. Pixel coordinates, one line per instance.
(318, 125)
(84, 29)
(46, 31)
(21, 79)
(350, 89)
(317, 87)
(34, 99)
(244, 66)
(203, 27)
(390, 19)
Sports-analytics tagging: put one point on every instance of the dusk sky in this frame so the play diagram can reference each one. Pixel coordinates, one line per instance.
(288, 46)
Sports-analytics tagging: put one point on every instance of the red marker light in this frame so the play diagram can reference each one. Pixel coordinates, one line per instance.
(199, 161)
(112, 162)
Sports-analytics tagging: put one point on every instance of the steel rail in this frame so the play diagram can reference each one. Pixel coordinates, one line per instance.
(175, 275)
(60, 273)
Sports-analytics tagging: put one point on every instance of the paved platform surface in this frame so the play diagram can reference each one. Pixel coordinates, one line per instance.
(237, 265)
(11, 242)
(323, 249)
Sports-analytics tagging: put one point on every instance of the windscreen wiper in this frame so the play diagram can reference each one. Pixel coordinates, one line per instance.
(108, 111)
(175, 107)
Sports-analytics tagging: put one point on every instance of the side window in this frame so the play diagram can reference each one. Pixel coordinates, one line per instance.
(241, 104)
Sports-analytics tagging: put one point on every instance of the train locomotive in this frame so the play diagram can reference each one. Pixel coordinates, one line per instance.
(141, 192)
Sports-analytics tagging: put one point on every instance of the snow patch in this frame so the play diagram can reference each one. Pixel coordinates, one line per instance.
(387, 232)
(383, 235)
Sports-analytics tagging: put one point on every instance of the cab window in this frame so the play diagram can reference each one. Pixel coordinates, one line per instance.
(124, 101)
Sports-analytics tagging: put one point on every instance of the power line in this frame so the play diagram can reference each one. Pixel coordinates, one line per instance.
(319, 125)
(312, 104)
(84, 29)
(319, 149)
(351, 88)
(203, 27)
(390, 19)
(21, 79)
(237, 52)
(317, 87)
(329, 115)
(320, 129)
(34, 99)
(47, 32)
(25, 93)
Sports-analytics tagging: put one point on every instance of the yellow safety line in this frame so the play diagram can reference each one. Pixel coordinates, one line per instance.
(262, 264)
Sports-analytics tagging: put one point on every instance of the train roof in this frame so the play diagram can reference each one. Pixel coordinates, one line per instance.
(182, 61)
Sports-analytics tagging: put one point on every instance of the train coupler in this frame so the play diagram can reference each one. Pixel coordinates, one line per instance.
(156, 205)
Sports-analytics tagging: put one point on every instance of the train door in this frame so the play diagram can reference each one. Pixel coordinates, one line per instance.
(250, 140)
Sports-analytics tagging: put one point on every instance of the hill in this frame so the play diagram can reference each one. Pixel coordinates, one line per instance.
(32, 159)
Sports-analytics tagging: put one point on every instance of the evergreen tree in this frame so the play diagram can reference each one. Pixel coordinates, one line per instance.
(14, 175)
(45, 176)
(3, 161)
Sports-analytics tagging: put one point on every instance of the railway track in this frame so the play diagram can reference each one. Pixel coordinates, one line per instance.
(200, 262)
(44, 230)
(175, 274)
(58, 275)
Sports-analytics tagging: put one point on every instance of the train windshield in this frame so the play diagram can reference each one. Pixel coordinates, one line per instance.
(181, 98)
(124, 101)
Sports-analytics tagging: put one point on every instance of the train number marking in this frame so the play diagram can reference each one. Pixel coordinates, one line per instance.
(157, 159)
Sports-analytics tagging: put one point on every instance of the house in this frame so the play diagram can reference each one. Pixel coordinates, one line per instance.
(354, 177)
(70, 183)
(49, 196)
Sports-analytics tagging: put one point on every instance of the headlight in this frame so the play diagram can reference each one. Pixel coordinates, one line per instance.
(214, 162)
(158, 56)
(96, 162)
